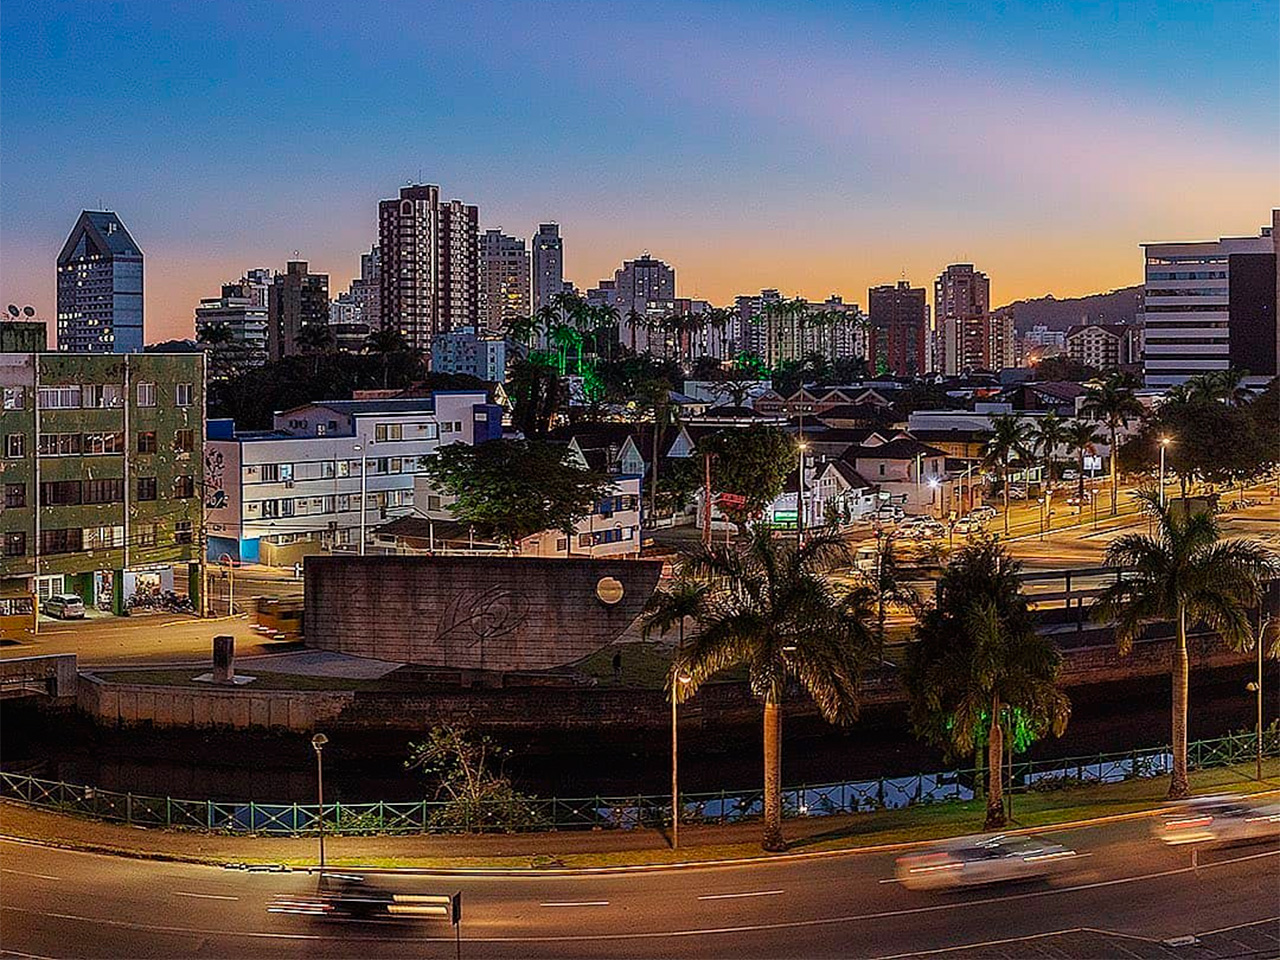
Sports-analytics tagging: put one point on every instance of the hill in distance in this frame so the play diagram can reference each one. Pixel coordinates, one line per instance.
(1116, 306)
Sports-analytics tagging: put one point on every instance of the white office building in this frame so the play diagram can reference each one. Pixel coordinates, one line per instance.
(328, 470)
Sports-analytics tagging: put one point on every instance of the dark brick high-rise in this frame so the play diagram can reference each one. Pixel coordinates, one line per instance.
(899, 326)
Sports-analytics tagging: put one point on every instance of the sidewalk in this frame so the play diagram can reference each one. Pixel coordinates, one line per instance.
(616, 848)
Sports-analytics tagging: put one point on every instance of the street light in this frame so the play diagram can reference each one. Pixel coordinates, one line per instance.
(681, 678)
(317, 743)
(933, 491)
(1255, 687)
(1164, 443)
(802, 446)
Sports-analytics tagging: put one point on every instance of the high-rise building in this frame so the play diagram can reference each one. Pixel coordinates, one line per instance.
(233, 326)
(504, 280)
(969, 338)
(640, 286)
(364, 290)
(548, 264)
(1211, 305)
(100, 287)
(297, 298)
(429, 264)
(899, 317)
(462, 350)
(768, 328)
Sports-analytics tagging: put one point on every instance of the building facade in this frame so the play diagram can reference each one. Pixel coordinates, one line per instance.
(1104, 346)
(466, 352)
(240, 311)
(23, 336)
(276, 495)
(296, 298)
(1212, 306)
(899, 327)
(365, 289)
(548, 264)
(100, 287)
(969, 336)
(101, 473)
(504, 281)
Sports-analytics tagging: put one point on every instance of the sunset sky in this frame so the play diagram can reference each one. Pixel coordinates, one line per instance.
(817, 147)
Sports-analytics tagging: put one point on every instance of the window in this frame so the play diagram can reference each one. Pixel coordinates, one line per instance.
(15, 398)
(182, 531)
(429, 431)
(145, 533)
(146, 394)
(147, 441)
(59, 493)
(388, 431)
(101, 395)
(15, 544)
(184, 440)
(103, 491)
(146, 488)
(184, 488)
(61, 541)
(15, 495)
(103, 538)
(182, 393)
(102, 443)
(58, 398)
(269, 472)
(15, 445)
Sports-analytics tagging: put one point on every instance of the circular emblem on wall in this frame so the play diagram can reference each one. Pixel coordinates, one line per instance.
(609, 590)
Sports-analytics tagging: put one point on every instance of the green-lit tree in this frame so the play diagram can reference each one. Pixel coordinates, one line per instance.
(771, 608)
(1185, 574)
(978, 668)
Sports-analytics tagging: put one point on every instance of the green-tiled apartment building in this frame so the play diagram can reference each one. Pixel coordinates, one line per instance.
(100, 473)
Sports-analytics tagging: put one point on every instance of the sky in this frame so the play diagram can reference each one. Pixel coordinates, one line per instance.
(816, 147)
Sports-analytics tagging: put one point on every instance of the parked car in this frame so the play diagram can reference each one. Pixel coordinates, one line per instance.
(983, 513)
(888, 513)
(64, 606)
(1070, 474)
(1220, 819)
(968, 526)
(978, 861)
(1017, 491)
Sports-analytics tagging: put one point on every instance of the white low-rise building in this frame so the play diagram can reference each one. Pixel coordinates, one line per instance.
(327, 471)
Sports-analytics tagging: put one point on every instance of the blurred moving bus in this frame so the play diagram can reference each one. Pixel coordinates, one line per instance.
(18, 616)
(278, 619)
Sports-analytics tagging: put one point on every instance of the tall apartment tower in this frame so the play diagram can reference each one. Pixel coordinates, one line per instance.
(1212, 306)
(504, 280)
(962, 318)
(100, 287)
(296, 298)
(429, 270)
(548, 264)
(899, 317)
(365, 290)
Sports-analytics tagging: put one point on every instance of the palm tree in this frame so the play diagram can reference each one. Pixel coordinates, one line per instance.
(1185, 573)
(770, 608)
(315, 339)
(1113, 401)
(655, 396)
(1082, 437)
(672, 607)
(546, 319)
(215, 334)
(1012, 438)
(978, 667)
(889, 582)
(634, 322)
(386, 341)
(221, 341)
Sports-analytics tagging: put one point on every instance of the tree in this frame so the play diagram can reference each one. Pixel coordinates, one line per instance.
(770, 608)
(889, 582)
(535, 389)
(1186, 574)
(752, 463)
(1046, 436)
(978, 668)
(1062, 367)
(475, 795)
(672, 606)
(215, 334)
(315, 339)
(1081, 437)
(1011, 439)
(655, 397)
(1113, 402)
(386, 342)
(515, 488)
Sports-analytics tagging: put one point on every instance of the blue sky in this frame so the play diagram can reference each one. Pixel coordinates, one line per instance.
(813, 147)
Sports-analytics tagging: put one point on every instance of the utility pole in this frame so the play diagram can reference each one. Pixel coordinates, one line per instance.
(706, 500)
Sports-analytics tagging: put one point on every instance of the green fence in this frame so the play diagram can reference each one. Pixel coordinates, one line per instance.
(593, 813)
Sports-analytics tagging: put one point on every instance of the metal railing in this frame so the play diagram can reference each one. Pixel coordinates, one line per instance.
(629, 812)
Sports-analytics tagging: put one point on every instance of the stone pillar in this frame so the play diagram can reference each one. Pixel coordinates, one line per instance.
(224, 659)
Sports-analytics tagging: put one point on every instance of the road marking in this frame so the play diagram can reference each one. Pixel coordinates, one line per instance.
(204, 896)
(575, 903)
(22, 873)
(734, 896)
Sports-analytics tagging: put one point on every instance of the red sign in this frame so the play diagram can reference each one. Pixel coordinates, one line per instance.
(731, 500)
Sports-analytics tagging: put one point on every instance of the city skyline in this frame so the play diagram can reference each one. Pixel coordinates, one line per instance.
(818, 152)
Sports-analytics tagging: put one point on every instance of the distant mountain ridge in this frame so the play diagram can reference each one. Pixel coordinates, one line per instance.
(1115, 306)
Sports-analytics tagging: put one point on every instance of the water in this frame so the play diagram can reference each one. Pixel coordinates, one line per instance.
(370, 766)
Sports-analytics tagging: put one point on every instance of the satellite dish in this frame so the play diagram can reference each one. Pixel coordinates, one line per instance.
(13, 309)
(28, 311)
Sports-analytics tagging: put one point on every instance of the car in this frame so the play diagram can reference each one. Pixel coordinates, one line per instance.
(1220, 819)
(1017, 491)
(64, 606)
(1070, 474)
(983, 513)
(888, 514)
(919, 528)
(982, 860)
(968, 526)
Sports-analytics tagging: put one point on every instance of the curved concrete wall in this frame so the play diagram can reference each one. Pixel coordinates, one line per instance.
(474, 613)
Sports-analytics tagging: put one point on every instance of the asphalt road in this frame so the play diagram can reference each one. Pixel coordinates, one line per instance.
(1126, 896)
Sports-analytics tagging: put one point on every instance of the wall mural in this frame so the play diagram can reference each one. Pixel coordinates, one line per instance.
(494, 613)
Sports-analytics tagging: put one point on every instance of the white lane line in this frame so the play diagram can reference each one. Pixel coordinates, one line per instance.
(735, 896)
(575, 903)
(204, 896)
(23, 873)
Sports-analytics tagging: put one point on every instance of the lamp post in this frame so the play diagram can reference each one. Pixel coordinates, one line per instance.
(681, 679)
(933, 495)
(802, 446)
(1164, 443)
(1255, 687)
(317, 743)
